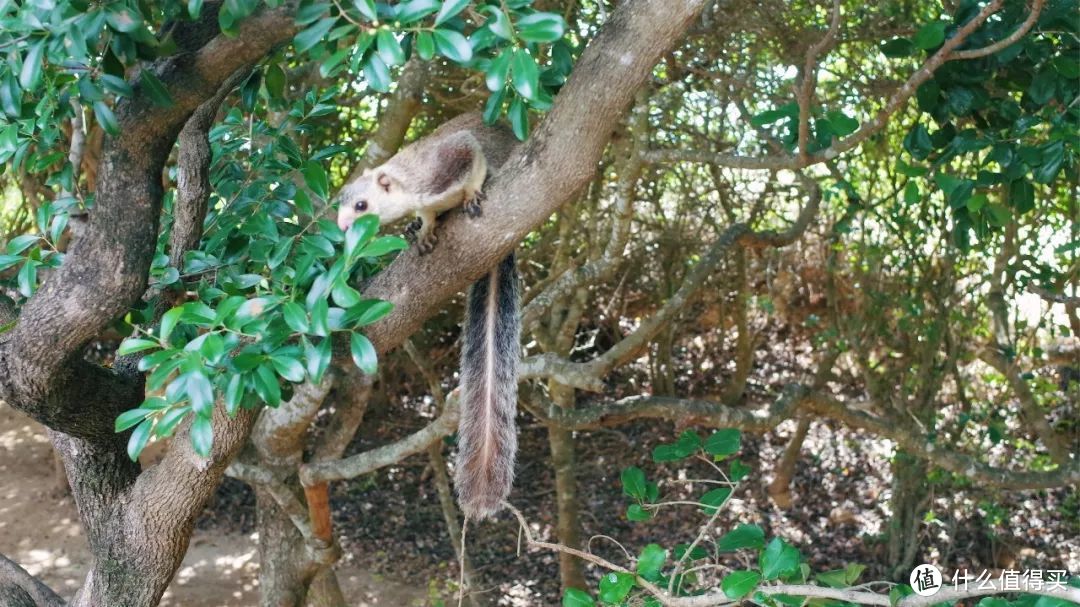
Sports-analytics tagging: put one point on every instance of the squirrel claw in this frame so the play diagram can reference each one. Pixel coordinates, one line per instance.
(413, 227)
(472, 205)
(426, 244)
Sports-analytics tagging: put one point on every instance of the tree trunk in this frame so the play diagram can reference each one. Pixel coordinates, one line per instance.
(568, 526)
(909, 495)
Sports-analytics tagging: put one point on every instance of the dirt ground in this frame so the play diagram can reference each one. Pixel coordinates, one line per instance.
(40, 530)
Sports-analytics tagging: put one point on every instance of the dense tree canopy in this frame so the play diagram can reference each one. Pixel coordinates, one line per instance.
(742, 217)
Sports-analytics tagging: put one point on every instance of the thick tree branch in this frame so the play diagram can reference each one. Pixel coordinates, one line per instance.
(18, 588)
(543, 174)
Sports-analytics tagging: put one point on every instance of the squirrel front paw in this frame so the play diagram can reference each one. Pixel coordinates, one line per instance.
(426, 243)
(413, 228)
(472, 205)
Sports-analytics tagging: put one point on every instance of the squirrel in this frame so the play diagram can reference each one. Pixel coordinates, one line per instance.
(435, 174)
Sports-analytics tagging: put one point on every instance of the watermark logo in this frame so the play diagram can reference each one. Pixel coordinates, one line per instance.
(926, 580)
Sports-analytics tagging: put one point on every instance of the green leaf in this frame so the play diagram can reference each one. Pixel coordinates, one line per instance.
(743, 536)
(202, 435)
(30, 75)
(7, 261)
(524, 74)
(106, 118)
(633, 482)
(155, 89)
(388, 47)
(499, 24)
(138, 439)
(118, 86)
(315, 178)
(28, 278)
(425, 45)
(266, 386)
(696, 554)
(1053, 157)
(288, 367)
(738, 471)
(724, 442)
(519, 118)
(318, 358)
(168, 422)
(1043, 86)
(651, 561)
(842, 124)
(414, 10)
(123, 18)
(128, 419)
(715, 498)
(377, 74)
(495, 76)
(897, 48)
(194, 8)
(368, 311)
(313, 35)
(577, 598)
(360, 232)
(917, 142)
(133, 345)
(911, 193)
(384, 245)
(832, 579)
(788, 110)
(234, 394)
(930, 35)
(200, 392)
(344, 295)
(295, 316)
(363, 353)
(367, 9)
(168, 322)
(541, 27)
(450, 8)
(636, 513)
(779, 558)
(452, 45)
(1021, 196)
(614, 586)
(738, 584)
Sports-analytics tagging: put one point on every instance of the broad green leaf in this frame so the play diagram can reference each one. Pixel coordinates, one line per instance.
(133, 345)
(450, 8)
(524, 74)
(363, 353)
(499, 24)
(384, 245)
(414, 10)
(742, 536)
(368, 311)
(577, 598)
(425, 45)
(842, 124)
(266, 385)
(388, 47)
(155, 89)
(315, 178)
(897, 47)
(234, 394)
(360, 232)
(202, 435)
(636, 513)
(288, 367)
(714, 498)
(170, 420)
(313, 35)
(1021, 196)
(495, 76)
(295, 316)
(376, 74)
(168, 323)
(519, 118)
(200, 392)
(614, 586)
(138, 439)
(738, 471)
(779, 558)
(194, 8)
(128, 419)
(930, 35)
(738, 584)
(30, 75)
(541, 27)
(318, 358)
(724, 442)
(367, 9)
(123, 18)
(651, 561)
(106, 118)
(911, 193)
(633, 482)
(452, 45)
(344, 295)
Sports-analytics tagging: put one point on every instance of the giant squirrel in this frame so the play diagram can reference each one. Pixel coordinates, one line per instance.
(437, 173)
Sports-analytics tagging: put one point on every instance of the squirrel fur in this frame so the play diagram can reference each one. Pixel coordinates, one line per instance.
(437, 173)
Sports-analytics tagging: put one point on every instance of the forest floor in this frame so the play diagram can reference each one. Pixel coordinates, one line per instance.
(396, 547)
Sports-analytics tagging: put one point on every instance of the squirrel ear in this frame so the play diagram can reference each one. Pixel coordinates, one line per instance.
(384, 181)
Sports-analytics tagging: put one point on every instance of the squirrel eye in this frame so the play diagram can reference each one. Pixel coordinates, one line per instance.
(361, 206)
(384, 181)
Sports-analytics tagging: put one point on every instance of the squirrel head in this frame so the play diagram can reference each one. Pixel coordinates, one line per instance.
(374, 191)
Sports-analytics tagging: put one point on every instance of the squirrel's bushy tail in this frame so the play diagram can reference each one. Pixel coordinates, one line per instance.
(487, 434)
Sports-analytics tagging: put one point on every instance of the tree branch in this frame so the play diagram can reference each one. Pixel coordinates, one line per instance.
(16, 584)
